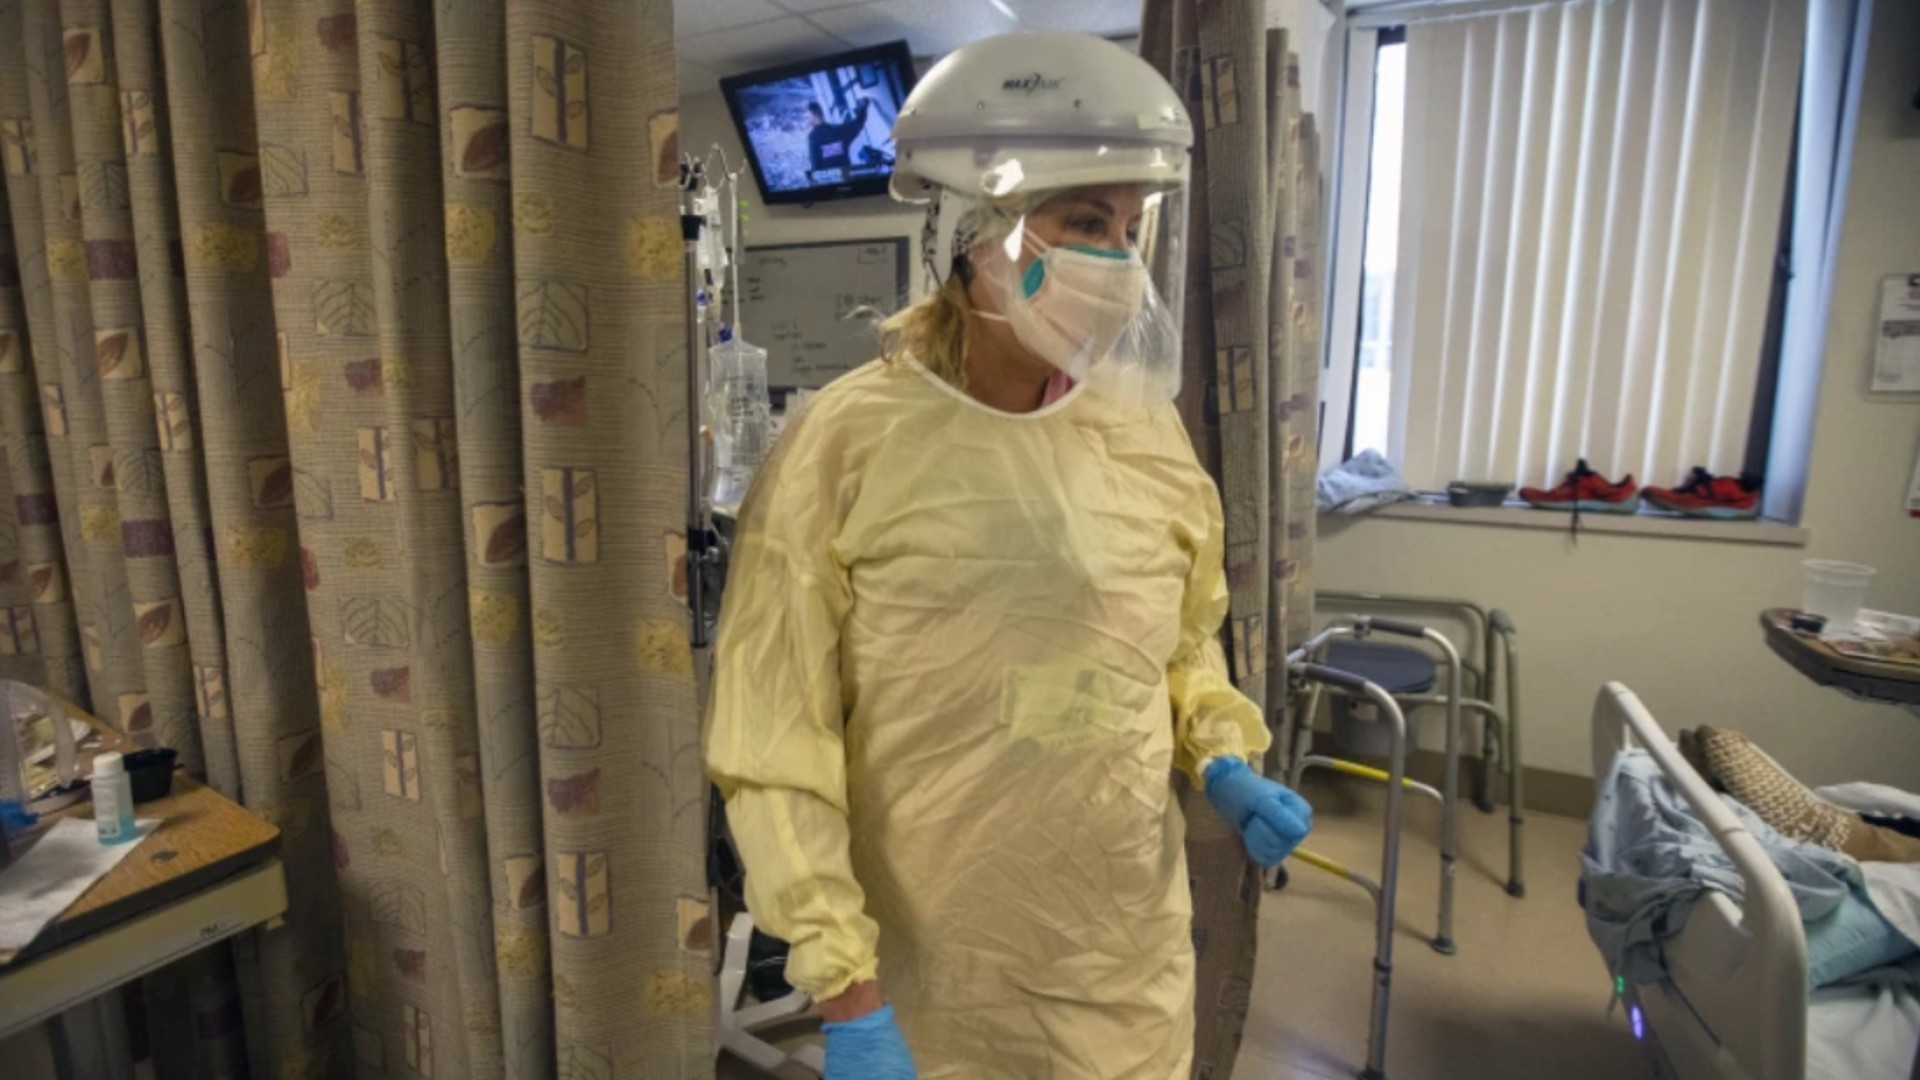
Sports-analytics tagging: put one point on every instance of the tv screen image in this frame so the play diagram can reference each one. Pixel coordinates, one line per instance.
(823, 130)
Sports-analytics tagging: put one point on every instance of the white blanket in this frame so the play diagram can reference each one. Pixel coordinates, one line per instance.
(1895, 890)
(1867, 1028)
(1864, 798)
(1894, 887)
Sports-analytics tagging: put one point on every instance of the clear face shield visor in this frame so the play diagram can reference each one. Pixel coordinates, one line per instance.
(1088, 278)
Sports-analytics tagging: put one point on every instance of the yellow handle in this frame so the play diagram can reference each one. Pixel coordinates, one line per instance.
(1321, 861)
(1365, 772)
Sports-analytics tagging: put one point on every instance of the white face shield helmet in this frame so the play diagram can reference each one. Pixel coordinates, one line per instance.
(1056, 165)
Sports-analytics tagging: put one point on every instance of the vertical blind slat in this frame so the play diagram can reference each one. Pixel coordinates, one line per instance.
(1724, 125)
(1567, 421)
(1620, 202)
(1462, 312)
(1498, 242)
(1592, 201)
(1694, 269)
(1462, 223)
(1766, 179)
(1531, 231)
(1565, 113)
(1421, 226)
(1650, 224)
(1489, 240)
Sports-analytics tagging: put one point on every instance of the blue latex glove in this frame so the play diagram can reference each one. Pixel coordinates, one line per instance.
(15, 818)
(1270, 819)
(870, 1048)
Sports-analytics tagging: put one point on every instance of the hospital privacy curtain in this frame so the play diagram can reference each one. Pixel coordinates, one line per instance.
(341, 354)
(1593, 196)
(1250, 369)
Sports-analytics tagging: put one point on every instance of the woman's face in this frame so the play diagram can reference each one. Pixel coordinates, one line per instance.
(1107, 216)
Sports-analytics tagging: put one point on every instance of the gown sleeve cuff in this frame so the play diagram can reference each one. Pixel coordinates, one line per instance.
(1244, 737)
(828, 987)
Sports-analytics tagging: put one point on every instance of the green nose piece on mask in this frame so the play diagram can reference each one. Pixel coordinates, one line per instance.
(1036, 274)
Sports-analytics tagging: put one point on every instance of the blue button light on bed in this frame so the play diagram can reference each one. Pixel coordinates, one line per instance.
(1639, 1023)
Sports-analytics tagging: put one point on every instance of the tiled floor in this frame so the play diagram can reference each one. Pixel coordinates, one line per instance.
(1524, 999)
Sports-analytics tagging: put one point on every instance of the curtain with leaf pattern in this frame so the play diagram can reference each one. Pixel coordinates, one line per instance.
(342, 380)
(1249, 397)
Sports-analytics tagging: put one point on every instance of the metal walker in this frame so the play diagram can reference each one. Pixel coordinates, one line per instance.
(1500, 719)
(1300, 758)
(1302, 669)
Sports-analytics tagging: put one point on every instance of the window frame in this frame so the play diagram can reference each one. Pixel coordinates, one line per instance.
(1351, 181)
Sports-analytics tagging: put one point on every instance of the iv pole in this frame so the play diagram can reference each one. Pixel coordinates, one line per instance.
(705, 554)
(706, 547)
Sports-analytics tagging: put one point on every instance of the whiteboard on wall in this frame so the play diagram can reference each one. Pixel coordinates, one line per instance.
(801, 303)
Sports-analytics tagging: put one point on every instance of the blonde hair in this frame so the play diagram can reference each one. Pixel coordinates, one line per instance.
(932, 330)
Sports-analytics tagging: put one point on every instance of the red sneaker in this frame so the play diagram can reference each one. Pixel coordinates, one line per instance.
(1705, 495)
(1587, 491)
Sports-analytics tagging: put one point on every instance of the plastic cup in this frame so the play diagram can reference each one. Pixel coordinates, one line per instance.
(1836, 590)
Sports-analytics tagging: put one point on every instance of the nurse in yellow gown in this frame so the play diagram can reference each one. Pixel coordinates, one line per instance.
(971, 626)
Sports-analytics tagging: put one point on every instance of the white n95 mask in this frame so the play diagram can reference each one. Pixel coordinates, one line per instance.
(1095, 313)
(1073, 304)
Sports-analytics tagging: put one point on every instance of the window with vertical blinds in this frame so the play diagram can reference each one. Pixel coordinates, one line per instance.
(1590, 208)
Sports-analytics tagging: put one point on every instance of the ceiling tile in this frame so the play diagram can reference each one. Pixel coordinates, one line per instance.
(930, 27)
(1107, 18)
(729, 52)
(808, 7)
(706, 16)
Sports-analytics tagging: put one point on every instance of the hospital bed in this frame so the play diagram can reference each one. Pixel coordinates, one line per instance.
(1736, 1006)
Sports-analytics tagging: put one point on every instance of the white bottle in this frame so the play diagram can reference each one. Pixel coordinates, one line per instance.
(113, 800)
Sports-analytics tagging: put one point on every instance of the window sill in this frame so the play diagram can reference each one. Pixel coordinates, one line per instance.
(1662, 526)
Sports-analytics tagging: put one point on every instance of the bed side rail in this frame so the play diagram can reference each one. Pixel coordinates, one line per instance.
(1766, 969)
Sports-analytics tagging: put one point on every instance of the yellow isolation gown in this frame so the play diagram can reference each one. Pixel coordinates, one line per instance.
(962, 652)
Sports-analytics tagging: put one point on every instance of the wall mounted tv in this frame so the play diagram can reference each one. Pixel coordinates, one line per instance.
(822, 129)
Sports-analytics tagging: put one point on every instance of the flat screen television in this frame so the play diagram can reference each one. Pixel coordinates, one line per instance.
(822, 129)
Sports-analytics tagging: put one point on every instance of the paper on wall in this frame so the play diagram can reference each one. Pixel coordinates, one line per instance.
(1913, 489)
(1896, 355)
(61, 865)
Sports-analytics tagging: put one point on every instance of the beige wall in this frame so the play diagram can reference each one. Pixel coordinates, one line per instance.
(1674, 619)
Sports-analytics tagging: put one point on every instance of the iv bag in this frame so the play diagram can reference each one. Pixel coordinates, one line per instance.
(742, 419)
